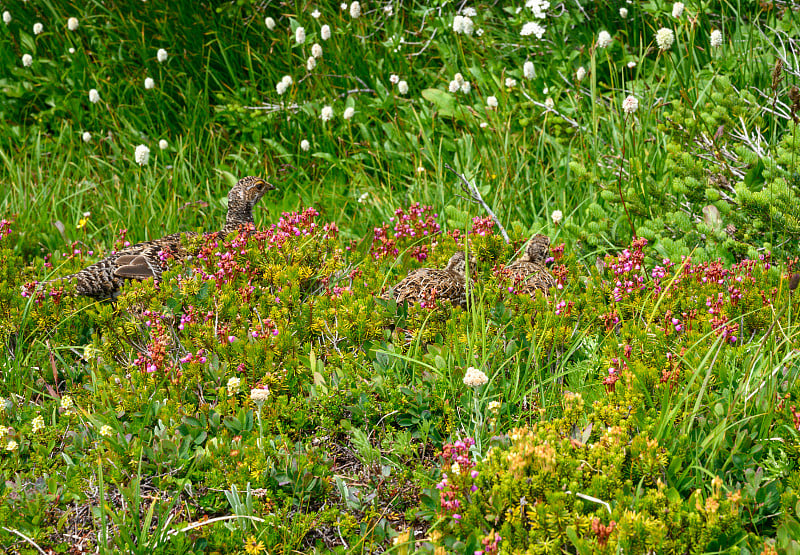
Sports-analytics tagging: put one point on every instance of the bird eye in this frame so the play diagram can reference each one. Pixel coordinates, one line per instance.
(260, 184)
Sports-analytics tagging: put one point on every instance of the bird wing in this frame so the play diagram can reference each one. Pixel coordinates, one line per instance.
(136, 267)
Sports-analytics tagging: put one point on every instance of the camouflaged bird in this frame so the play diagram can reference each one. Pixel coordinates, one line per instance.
(426, 285)
(529, 273)
(148, 259)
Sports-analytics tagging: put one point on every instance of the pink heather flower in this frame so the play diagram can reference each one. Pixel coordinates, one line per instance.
(231, 338)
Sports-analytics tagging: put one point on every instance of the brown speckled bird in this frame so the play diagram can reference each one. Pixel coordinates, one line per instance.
(103, 279)
(529, 273)
(425, 285)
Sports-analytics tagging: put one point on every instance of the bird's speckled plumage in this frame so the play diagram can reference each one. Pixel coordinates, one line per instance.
(103, 279)
(425, 285)
(529, 273)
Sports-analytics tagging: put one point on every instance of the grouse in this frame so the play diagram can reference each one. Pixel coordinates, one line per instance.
(425, 285)
(103, 279)
(529, 273)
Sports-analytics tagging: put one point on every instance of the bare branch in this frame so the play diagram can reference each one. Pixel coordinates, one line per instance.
(475, 196)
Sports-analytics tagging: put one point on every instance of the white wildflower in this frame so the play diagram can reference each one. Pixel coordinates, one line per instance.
(475, 377)
(270, 23)
(603, 39)
(463, 25)
(283, 84)
(71, 50)
(94, 96)
(623, 13)
(72, 24)
(161, 55)
(677, 9)
(300, 35)
(355, 10)
(388, 10)
(479, 32)
(37, 423)
(631, 65)
(343, 6)
(325, 32)
(548, 102)
(305, 145)
(454, 86)
(458, 78)
(11, 445)
(149, 83)
(106, 430)
(66, 402)
(234, 384)
(349, 112)
(664, 38)
(6, 17)
(141, 155)
(326, 114)
(716, 38)
(38, 28)
(469, 12)
(511, 82)
(556, 216)
(580, 74)
(483, 125)
(259, 394)
(466, 87)
(86, 137)
(316, 50)
(363, 198)
(163, 144)
(494, 406)
(528, 70)
(491, 102)
(315, 14)
(538, 7)
(311, 63)
(532, 28)
(394, 79)
(27, 60)
(630, 104)
(402, 87)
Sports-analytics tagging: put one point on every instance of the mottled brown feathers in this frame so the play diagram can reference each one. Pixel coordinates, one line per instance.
(529, 273)
(148, 259)
(426, 285)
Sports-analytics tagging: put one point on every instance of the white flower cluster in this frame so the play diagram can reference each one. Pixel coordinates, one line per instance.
(325, 32)
(538, 7)
(234, 384)
(355, 10)
(27, 60)
(6, 17)
(557, 216)
(459, 84)
(463, 25)
(630, 104)
(149, 83)
(72, 24)
(161, 55)
(300, 35)
(259, 394)
(664, 38)
(475, 377)
(94, 96)
(677, 9)
(528, 70)
(141, 155)
(349, 112)
(716, 38)
(580, 74)
(38, 28)
(511, 82)
(491, 102)
(326, 114)
(284, 84)
(623, 13)
(270, 23)
(532, 28)
(604, 39)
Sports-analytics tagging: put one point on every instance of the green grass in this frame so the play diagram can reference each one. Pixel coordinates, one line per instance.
(694, 435)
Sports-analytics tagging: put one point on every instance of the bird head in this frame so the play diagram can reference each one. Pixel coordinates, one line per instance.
(538, 249)
(249, 190)
(458, 263)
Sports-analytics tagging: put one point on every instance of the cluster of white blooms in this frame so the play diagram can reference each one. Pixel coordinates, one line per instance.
(463, 24)
(326, 114)
(528, 70)
(316, 50)
(270, 23)
(86, 137)
(538, 7)
(394, 79)
(549, 103)
(388, 10)
(149, 83)
(6, 17)
(284, 84)
(603, 39)
(106, 430)
(38, 28)
(311, 63)
(494, 406)
(300, 35)
(630, 104)
(677, 9)
(233, 384)
(141, 155)
(355, 10)
(580, 74)
(664, 38)
(305, 145)
(94, 96)
(349, 112)
(38, 423)
(402, 87)
(161, 55)
(325, 32)
(27, 60)
(459, 84)
(11, 445)
(163, 144)
(66, 402)
(363, 198)
(631, 65)
(475, 377)
(532, 28)
(72, 24)
(716, 38)
(491, 102)
(343, 6)
(557, 216)
(259, 394)
(623, 13)
(511, 82)
(315, 14)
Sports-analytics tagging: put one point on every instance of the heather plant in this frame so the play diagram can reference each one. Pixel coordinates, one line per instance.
(265, 396)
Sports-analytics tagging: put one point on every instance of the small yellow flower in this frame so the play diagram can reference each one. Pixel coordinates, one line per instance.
(253, 548)
(83, 221)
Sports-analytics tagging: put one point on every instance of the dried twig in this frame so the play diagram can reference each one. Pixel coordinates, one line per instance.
(475, 196)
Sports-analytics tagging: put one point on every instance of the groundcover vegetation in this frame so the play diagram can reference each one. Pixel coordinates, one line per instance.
(264, 398)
